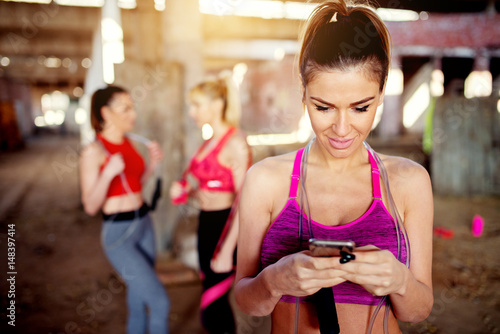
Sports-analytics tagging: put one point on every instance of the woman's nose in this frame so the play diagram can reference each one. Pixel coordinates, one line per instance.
(341, 125)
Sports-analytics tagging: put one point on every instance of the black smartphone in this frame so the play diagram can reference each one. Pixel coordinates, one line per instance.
(322, 247)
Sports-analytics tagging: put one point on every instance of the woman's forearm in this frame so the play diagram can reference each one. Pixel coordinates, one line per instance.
(414, 302)
(255, 296)
(95, 198)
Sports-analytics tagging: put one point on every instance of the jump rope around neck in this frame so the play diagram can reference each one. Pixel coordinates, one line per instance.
(126, 186)
(325, 302)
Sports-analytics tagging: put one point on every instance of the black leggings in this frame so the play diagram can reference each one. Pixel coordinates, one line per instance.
(216, 314)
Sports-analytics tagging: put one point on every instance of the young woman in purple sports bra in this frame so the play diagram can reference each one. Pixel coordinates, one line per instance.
(219, 167)
(343, 63)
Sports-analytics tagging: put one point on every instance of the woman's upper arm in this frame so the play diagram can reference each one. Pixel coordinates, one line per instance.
(418, 218)
(255, 217)
(90, 160)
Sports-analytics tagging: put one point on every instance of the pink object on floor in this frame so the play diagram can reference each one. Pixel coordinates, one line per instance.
(477, 226)
(443, 232)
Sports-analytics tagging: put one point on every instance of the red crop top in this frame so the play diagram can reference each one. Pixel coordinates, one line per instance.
(134, 167)
(211, 175)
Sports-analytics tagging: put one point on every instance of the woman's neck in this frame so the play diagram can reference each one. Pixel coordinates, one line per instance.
(219, 128)
(113, 135)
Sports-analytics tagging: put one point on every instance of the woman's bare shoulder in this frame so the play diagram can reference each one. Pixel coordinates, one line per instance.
(272, 173)
(93, 152)
(272, 166)
(236, 145)
(406, 177)
(400, 168)
(239, 137)
(267, 183)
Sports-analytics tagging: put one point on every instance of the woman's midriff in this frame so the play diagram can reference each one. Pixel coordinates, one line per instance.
(353, 319)
(122, 203)
(215, 200)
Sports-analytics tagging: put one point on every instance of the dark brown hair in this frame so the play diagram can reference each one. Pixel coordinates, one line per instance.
(101, 98)
(340, 35)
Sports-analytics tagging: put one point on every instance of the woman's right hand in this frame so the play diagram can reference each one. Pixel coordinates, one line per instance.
(115, 165)
(301, 274)
(176, 189)
(179, 191)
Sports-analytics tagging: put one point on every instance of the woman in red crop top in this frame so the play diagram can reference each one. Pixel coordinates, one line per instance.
(344, 64)
(111, 176)
(219, 167)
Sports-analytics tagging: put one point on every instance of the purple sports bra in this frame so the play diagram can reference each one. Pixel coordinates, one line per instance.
(374, 227)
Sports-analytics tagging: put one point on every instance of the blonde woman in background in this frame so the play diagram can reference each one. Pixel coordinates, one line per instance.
(219, 167)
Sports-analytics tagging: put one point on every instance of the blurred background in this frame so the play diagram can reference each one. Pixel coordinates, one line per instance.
(442, 109)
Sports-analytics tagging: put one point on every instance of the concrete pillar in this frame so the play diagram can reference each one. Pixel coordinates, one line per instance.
(391, 123)
(93, 81)
(156, 86)
(481, 61)
(183, 43)
(143, 32)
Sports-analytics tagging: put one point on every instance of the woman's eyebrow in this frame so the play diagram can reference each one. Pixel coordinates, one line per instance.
(364, 100)
(317, 99)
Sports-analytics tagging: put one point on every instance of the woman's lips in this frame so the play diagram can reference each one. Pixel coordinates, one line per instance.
(340, 144)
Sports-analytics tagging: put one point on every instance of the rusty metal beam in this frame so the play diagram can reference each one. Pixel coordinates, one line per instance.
(31, 18)
(237, 27)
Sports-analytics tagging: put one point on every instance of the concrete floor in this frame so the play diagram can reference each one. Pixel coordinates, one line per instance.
(64, 283)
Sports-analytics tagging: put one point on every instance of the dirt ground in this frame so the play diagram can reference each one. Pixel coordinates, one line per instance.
(64, 284)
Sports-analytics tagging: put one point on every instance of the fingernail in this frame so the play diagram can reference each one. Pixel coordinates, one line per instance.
(347, 255)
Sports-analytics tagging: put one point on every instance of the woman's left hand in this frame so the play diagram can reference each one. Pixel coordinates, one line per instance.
(378, 271)
(222, 262)
(155, 154)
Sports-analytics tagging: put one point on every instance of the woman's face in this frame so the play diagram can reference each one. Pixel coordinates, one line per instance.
(120, 112)
(342, 106)
(203, 109)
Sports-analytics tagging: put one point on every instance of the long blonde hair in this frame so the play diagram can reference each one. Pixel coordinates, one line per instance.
(223, 88)
(340, 35)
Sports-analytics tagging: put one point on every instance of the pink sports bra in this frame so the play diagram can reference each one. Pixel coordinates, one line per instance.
(375, 227)
(211, 175)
